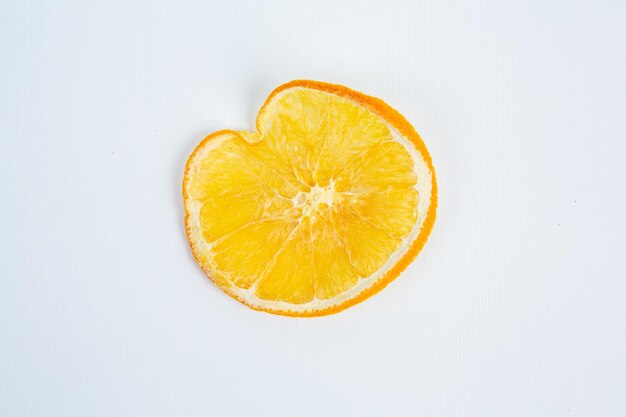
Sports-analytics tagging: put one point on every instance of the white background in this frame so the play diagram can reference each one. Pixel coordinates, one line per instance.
(516, 306)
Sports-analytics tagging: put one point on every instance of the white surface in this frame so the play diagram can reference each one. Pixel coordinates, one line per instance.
(515, 307)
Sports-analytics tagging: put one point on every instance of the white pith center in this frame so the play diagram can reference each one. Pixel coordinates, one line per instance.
(310, 201)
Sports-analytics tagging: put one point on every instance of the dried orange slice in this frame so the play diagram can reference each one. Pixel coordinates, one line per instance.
(321, 207)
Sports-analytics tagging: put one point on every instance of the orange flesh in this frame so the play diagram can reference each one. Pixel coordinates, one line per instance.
(315, 201)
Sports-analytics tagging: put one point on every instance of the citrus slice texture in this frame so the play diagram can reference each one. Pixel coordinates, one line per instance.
(321, 207)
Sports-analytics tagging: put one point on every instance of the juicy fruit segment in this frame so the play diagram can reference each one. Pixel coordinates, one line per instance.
(368, 244)
(378, 168)
(289, 277)
(244, 253)
(316, 201)
(334, 270)
(392, 210)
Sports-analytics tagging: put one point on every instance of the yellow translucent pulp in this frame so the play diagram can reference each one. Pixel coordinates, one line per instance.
(316, 201)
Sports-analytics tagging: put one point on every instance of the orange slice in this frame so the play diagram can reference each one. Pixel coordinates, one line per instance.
(321, 207)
